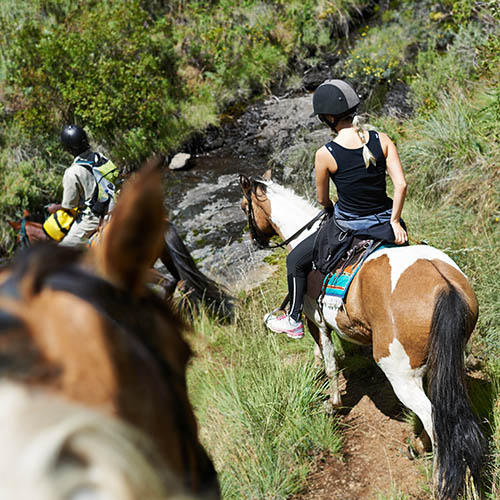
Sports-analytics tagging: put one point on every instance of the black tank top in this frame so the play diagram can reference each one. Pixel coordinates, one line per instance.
(361, 191)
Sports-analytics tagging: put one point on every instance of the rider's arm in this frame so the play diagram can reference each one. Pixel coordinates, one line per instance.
(72, 189)
(54, 207)
(324, 165)
(395, 171)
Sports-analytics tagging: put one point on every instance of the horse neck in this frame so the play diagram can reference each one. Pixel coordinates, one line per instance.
(290, 212)
(35, 232)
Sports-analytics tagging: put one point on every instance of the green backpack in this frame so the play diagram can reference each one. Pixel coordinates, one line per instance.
(105, 174)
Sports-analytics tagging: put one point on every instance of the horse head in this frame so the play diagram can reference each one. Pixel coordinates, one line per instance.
(85, 326)
(257, 208)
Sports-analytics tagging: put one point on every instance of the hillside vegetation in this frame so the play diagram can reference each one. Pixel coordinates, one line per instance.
(145, 76)
(141, 76)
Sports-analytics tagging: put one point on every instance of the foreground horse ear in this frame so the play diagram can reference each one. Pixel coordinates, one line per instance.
(135, 234)
(245, 183)
(267, 174)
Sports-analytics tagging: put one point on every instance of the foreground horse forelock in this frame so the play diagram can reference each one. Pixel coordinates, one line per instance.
(85, 326)
(416, 308)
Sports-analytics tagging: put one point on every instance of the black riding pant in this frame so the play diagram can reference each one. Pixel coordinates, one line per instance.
(298, 266)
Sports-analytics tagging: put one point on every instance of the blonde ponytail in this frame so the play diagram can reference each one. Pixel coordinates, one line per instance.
(359, 126)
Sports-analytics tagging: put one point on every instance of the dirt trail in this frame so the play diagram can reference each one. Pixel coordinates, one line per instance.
(374, 458)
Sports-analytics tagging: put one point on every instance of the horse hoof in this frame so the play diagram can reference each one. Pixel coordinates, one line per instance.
(330, 407)
(411, 453)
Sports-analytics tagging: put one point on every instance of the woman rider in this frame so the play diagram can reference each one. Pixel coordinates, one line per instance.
(356, 161)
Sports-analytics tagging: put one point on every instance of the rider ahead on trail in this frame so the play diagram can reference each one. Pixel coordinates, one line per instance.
(80, 187)
(356, 160)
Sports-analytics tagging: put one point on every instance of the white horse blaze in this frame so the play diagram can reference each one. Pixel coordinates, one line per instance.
(407, 383)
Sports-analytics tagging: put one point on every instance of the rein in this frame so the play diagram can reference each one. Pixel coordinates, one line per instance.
(260, 238)
(23, 235)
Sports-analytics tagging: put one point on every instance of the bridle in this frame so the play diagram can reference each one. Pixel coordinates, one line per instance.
(258, 236)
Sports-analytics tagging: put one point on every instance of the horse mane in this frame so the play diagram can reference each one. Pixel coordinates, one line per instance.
(55, 267)
(33, 264)
(54, 447)
(277, 192)
(200, 287)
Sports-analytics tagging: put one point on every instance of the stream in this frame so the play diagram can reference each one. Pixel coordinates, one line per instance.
(204, 198)
(204, 204)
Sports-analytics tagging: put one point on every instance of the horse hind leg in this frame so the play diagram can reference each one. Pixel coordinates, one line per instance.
(407, 383)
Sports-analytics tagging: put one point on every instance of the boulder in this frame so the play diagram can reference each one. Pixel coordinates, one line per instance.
(180, 160)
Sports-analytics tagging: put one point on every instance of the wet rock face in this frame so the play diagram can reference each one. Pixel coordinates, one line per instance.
(266, 127)
(325, 70)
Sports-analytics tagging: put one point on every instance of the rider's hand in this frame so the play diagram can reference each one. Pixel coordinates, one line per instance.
(400, 235)
(53, 207)
(329, 210)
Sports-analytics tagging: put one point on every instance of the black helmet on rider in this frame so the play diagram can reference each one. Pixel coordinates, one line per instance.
(74, 139)
(336, 98)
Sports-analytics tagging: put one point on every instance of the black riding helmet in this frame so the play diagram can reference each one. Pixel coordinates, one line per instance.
(74, 139)
(336, 98)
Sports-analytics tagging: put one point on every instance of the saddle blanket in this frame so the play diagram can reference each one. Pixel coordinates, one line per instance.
(336, 284)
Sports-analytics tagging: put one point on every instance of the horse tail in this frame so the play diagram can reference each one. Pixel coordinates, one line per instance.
(458, 437)
(199, 287)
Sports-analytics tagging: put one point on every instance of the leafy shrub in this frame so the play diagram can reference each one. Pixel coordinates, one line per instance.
(379, 56)
(437, 72)
(110, 67)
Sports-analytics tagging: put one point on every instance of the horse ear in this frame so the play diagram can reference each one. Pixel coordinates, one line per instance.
(245, 183)
(267, 174)
(134, 237)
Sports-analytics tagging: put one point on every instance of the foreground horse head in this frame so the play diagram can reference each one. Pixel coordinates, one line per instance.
(85, 326)
(417, 309)
(56, 450)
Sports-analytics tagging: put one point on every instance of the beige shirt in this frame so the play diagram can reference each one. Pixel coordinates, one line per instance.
(78, 187)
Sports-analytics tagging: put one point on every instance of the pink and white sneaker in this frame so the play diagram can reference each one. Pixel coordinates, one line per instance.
(284, 324)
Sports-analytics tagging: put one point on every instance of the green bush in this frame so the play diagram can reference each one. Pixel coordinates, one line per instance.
(437, 73)
(379, 56)
(110, 67)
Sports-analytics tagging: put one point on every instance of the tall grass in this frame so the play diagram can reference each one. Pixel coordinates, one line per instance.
(259, 401)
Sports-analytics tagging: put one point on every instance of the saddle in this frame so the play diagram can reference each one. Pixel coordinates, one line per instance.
(331, 288)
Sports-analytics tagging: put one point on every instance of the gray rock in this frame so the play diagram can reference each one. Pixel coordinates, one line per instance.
(180, 160)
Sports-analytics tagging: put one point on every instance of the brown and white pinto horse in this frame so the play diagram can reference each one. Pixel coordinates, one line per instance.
(85, 327)
(416, 308)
